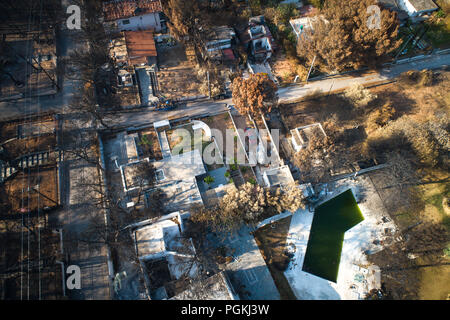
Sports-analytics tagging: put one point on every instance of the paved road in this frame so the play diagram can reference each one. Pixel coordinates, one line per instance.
(147, 116)
(289, 94)
(341, 82)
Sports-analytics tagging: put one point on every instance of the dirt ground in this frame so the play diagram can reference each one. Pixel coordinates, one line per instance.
(435, 283)
(28, 137)
(247, 174)
(17, 195)
(177, 75)
(433, 191)
(9, 130)
(17, 148)
(185, 139)
(271, 240)
(283, 69)
(151, 150)
(222, 123)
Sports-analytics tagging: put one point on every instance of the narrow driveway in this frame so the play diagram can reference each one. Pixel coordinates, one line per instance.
(139, 118)
(248, 272)
(76, 216)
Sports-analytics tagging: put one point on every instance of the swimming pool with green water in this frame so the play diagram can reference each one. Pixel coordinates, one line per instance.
(331, 220)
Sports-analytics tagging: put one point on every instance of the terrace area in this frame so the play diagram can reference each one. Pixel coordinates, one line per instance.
(261, 150)
(185, 138)
(178, 181)
(195, 135)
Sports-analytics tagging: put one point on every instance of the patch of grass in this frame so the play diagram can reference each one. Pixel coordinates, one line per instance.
(404, 218)
(208, 180)
(186, 140)
(436, 200)
(439, 31)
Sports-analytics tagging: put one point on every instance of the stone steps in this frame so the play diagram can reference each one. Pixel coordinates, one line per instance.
(237, 178)
(31, 160)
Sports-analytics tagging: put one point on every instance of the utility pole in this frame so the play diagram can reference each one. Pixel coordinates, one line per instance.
(309, 72)
(209, 84)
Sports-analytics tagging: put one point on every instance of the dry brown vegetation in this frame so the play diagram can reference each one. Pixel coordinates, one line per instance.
(420, 123)
(343, 40)
(254, 95)
(404, 116)
(248, 204)
(407, 127)
(358, 95)
(285, 69)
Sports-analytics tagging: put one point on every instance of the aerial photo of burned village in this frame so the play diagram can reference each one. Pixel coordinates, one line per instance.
(224, 150)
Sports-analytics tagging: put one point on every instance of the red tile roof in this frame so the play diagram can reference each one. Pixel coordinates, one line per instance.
(122, 9)
(140, 45)
(228, 54)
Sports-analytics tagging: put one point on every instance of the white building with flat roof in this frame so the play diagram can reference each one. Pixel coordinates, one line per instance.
(134, 15)
(417, 8)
